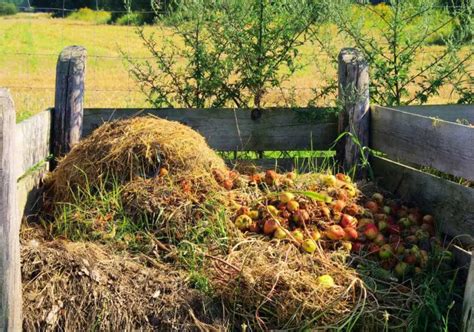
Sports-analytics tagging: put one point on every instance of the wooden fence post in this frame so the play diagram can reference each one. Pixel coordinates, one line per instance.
(354, 116)
(10, 273)
(68, 104)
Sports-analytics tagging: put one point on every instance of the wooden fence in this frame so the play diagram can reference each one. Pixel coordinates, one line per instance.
(409, 137)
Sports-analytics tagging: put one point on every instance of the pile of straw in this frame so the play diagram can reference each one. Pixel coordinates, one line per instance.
(125, 150)
(75, 286)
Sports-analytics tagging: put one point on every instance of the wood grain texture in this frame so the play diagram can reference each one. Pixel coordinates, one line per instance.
(450, 113)
(468, 305)
(451, 204)
(10, 277)
(32, 141)
(353, 73)
(235, 130)
(424, 141)
(69, 97)
(29, 189)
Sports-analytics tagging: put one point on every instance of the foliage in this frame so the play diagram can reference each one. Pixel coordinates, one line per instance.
(7, 9)
(232, 52)
(393, 41)
(89, 15)
(131, 19)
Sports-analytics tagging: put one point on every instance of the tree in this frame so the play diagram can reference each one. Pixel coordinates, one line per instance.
(234, 51)
(394, 37)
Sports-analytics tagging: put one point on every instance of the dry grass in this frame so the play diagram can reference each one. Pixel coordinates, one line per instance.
(74, 286)
(138, 148)
(275, 286)
(39, 39)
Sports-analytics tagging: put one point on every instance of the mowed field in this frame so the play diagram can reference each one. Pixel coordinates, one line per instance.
(30, 44)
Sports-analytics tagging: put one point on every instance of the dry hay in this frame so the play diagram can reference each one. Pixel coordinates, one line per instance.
(82, 287)
(274, 286)
(137, 148)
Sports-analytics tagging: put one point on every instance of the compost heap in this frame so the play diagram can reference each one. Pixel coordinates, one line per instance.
(273, 249)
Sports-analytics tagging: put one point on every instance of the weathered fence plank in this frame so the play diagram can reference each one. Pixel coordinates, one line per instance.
(302, 165)
(468, 305)
(424, 141)
(451, 204)
(234, 129)
(68, 103)
(29, 190)
(451, 113)
(32, 141)
(354, 116)
(10, 278)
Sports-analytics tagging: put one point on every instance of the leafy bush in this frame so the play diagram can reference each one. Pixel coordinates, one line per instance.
(131, 19)
(394, 39)
(89, 15)
(7, 9)
(234, 52)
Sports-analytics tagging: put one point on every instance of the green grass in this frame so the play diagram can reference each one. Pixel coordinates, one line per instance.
(91, 16)
(30, 44)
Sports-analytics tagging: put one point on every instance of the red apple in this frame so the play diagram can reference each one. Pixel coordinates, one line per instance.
(371, 231)
(373, 248)
(372, 206)
(343, 177)
(338, 205)
(348, 221)
(357, 247)
(269, 226)
(410, 259)
(428, 219)
(350, 234)
(335, 232)
(379, 239)
(301, 216)
(352, 209)
(428, 228)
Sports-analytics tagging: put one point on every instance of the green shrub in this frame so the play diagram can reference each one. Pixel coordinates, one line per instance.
(89, 15)
(131, 19)
(7, 9)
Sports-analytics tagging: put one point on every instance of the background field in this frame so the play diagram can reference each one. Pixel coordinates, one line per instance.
(30, 44)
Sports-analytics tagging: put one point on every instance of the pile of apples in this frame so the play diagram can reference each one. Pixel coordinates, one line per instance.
(397, 236)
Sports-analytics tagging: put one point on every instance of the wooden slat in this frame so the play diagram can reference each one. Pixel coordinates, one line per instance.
(468, 305)
(32, 141)
(445, 112)
(451, 204)
(424, 141)
(302, 165)
(28, 191)
(229, 130)
(10, 275)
